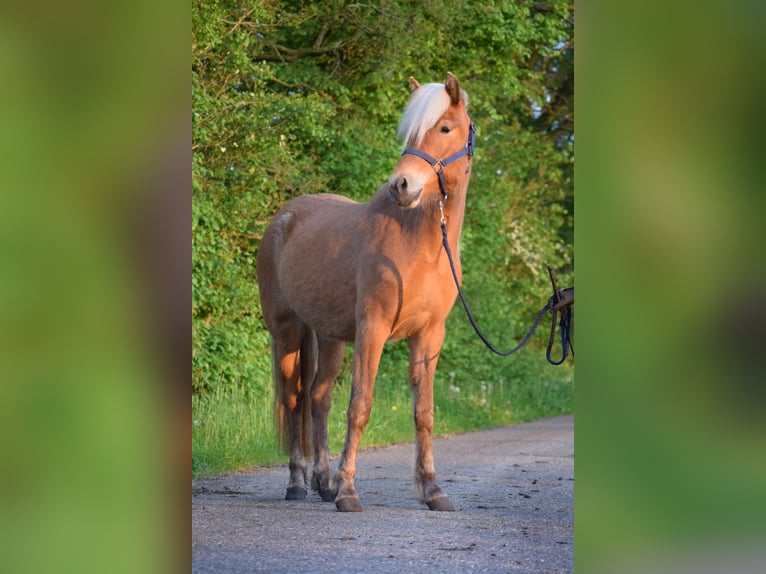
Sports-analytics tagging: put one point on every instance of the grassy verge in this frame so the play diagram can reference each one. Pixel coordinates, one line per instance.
(233, 429)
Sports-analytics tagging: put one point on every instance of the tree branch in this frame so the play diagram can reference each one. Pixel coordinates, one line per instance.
(284, 54)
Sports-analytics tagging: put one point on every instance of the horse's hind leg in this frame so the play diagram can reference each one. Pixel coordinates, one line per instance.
(424, 354)
(329, 364)
(294, 358)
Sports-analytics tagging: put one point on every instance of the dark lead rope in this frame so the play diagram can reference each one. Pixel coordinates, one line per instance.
(551, 305)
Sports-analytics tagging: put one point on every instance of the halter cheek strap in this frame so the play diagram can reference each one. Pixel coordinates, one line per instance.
(438, 165)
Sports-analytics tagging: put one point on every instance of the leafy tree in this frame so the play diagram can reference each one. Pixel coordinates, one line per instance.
(294, 97)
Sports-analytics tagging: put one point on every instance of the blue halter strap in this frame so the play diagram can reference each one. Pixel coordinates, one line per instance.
(438, 165)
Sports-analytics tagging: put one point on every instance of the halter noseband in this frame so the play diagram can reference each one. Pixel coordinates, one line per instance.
(438, 165)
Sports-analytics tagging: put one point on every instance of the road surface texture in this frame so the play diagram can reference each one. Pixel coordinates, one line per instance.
(512, 489)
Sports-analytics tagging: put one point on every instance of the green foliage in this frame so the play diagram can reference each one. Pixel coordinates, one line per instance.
(292, 97)
(231, 428)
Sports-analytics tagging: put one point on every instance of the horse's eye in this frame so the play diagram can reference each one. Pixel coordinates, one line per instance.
(445, 129)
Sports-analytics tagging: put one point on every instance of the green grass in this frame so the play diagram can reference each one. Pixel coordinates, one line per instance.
(233, 428)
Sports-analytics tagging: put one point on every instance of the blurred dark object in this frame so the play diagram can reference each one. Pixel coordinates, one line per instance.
(738, 337)
(561, 298)
(160, 233)
(561, 302)
(565, 299)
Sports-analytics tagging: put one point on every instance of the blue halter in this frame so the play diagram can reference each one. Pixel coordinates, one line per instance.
(438, 165)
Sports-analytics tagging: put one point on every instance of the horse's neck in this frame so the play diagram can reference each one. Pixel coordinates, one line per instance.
(454, 211)
(424, 220)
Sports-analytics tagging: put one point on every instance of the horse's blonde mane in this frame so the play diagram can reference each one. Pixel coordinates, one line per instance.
(427, 104)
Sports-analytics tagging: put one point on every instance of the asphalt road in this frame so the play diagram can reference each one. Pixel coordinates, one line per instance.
(512, 489)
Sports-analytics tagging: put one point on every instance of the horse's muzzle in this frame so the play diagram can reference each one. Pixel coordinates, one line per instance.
(403, 193)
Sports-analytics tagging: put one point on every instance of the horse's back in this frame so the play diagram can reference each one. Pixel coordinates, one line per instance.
(322, 204)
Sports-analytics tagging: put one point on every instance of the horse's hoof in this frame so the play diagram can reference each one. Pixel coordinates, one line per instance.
(323, 487)
(348, 504)
(295, 493)
(440, 503)
(327, 494)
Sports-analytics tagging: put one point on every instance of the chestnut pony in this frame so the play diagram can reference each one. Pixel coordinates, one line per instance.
(333, 271)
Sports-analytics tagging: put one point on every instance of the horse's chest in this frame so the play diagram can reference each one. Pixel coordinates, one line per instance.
(426, 299)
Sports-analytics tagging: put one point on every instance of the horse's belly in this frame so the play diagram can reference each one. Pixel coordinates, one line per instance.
(327, 322)
(322, 296)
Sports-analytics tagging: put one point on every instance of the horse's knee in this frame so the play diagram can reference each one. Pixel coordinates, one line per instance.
(424, 418)
(290, 401)
(358, 415)
(321, 399)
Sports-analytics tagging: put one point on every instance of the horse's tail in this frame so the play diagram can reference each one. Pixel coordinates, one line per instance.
(308, 367)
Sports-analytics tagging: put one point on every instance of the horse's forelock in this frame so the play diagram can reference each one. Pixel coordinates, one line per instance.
(427, 104)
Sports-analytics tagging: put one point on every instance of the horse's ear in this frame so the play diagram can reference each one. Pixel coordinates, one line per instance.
(414, 84)
(453, 88)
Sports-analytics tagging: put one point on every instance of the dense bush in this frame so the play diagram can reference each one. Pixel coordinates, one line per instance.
(292, 98)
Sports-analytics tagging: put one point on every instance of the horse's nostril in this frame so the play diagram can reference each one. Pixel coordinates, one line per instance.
(399, 186)
(402, 193)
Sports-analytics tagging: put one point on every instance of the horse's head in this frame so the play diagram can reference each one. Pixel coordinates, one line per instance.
(439, 137)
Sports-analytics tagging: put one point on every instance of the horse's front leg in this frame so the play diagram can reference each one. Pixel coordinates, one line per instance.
(368, 347)
(424, 354)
